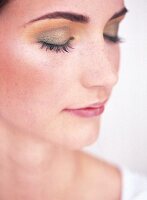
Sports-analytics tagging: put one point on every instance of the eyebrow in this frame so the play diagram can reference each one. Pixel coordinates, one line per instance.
(122, 12)
(75, 17)
(64, 15)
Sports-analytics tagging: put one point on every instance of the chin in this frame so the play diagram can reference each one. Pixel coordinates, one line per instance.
(83, 139)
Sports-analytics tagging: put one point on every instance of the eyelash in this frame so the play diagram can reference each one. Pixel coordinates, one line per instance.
(65, 47)
(57, 48)
(113, 39)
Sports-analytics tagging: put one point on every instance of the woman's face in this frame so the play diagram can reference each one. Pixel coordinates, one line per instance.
(39, 79)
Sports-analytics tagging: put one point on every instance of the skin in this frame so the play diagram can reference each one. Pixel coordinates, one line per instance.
(40, 142)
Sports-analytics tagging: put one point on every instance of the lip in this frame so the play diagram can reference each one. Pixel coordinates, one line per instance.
(95, 105)
(87, 112)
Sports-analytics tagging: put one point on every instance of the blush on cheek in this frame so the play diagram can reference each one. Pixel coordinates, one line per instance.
(22, 92)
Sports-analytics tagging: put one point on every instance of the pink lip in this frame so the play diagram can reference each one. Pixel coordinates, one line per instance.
(87, 112)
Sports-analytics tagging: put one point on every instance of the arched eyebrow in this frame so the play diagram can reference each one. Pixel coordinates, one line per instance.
(122, 12)
(75, 17)
(64, 15)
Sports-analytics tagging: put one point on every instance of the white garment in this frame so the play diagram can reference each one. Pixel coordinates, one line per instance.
(134, 185)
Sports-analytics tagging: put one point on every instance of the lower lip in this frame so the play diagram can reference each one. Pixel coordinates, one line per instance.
(87, 112)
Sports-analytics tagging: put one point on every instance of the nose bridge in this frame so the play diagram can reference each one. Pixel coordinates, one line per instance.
(98, 69)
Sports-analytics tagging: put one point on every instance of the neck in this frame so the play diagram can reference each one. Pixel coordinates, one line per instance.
(32, 169)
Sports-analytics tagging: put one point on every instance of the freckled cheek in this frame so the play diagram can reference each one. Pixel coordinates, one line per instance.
(26, 85)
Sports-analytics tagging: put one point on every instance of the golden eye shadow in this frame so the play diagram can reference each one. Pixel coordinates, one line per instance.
(112, 29)
(55, 35)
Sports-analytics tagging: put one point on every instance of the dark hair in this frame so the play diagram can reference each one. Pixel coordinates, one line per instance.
(3, 3)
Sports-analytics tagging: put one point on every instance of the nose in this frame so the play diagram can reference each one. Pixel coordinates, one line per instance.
(100, 68)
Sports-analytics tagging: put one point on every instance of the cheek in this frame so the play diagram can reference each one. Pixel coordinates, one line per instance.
(29, 90)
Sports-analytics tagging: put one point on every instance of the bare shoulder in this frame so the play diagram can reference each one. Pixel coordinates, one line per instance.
(102, 179)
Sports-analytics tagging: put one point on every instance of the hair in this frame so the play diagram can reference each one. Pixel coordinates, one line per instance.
(3, 3)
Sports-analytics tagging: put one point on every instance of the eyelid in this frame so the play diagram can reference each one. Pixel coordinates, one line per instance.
(117, 20)
(58, 36)
(57, 48)
(111, 29)
(32, 31)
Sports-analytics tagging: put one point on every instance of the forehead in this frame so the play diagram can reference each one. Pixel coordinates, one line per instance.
(96, 9)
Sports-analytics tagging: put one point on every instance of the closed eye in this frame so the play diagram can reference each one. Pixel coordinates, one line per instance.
(114, 39)
(56, 47)
(111, 32)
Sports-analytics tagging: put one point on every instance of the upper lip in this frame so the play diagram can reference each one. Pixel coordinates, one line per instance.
(94, 105)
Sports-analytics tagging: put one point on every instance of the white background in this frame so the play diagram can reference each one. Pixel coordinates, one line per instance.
(123, 135)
